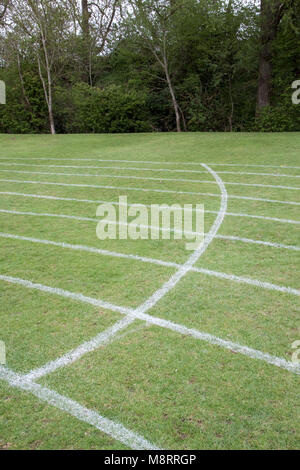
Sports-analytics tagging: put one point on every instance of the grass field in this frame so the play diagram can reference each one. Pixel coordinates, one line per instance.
(99, 356)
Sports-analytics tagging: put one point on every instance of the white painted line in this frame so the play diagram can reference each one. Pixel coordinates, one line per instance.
(116, 203)
(247, 280)
(66, 294)
(162, 229)
(165, 170)
(145, 178)
(149, 190)
(244, 350)
(256, 166)
(65, 404)
(261, 217)
(168, 264)
(258, 242)
(89, 346)
(186, 267)
(89, 219)
(150, 162)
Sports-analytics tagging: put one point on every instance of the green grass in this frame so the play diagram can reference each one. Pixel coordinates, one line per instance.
(177, 392)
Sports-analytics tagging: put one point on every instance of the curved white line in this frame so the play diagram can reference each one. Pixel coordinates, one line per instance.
(89, 346)
(186, 267)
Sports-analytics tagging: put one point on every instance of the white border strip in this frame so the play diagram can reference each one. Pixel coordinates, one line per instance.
(90, 219)
(150, 162)
(151, 190)
(168, 264)
(145, 178)
(105, 425)
(236, 347)
(147, 169)
(115, 203)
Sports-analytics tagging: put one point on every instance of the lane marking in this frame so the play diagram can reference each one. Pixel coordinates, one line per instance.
(145, 178)
(151, 190)
(150, 162)
(116, 203)
(67, 294)
(148, 169)
(162, 229)
(65, 404)
(168, 264)
(214, 340)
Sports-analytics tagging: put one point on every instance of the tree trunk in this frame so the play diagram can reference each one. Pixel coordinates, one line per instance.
(85, 18)
(87, 73)
(271, 15)
(174, 101)
(47, 92)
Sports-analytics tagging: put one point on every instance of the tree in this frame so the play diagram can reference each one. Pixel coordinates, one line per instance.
(153, 21)
(96, 21)
(44, 23)
(271, 13)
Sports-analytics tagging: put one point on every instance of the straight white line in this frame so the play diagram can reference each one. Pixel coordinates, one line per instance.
(236, 347)
(116, 203)
(105, 425)
(258, 242)
(147, 169)
(89, 219)
(167, 191)
(258, 166)
(89, 346)
(150, 162)
(144, 178)
(168, 264)
(246, 280)
(67, 294)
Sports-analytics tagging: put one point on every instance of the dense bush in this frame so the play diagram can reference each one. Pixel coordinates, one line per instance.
(86, 109)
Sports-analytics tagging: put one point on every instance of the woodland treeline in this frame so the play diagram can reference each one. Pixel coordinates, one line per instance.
(104, 66)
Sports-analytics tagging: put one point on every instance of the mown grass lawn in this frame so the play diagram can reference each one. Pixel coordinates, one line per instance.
(176, 391)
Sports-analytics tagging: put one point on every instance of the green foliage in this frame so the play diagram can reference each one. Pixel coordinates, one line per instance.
(113, 109)
(282, 118)
(213, 56)
(18, 115)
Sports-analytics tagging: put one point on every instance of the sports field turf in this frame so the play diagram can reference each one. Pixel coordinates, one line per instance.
(122, 344)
